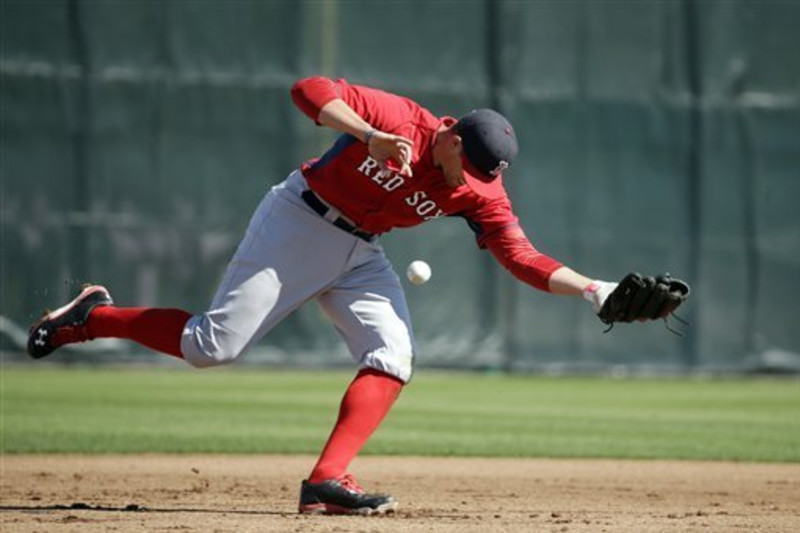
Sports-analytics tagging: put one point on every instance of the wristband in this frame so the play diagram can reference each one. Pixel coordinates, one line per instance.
(596, 293)
(590, 290)
(368, 136)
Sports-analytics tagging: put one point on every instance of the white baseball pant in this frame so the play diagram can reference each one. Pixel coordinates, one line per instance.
(290, 255)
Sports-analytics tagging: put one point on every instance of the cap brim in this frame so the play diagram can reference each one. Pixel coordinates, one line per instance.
(486, 186)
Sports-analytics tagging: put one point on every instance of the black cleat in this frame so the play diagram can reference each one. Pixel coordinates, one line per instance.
(66, 325)
(342, 496)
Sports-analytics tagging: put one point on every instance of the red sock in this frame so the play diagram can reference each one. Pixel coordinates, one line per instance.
(158, 329)
(364, 406)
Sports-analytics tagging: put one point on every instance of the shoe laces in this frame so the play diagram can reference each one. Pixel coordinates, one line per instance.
(349, 482)
(69, 335)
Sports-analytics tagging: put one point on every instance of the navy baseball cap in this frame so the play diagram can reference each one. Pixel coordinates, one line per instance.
(489, 141)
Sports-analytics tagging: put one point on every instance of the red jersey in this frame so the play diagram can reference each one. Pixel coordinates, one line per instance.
(378, 200)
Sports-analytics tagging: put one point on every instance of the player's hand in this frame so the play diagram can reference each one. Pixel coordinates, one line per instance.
(386, 149)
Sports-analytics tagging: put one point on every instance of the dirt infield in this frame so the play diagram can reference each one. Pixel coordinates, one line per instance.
(259, 493)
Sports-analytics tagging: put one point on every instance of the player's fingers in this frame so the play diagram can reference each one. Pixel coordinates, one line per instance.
(402, 155)
(405, 153)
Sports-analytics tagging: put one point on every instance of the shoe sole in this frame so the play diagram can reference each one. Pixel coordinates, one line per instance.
(52, 315)
(332, 509)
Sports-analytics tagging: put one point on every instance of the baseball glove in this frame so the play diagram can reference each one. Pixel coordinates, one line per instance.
(639, 298)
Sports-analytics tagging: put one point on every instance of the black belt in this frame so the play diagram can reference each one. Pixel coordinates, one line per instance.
(321, 209)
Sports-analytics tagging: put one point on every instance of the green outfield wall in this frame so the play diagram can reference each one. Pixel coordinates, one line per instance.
(138, 136)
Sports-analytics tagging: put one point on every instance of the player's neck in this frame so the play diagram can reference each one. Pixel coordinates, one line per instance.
(437, 146)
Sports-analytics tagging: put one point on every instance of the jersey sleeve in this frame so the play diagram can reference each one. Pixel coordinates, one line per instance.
(497, 229)
(383, 110)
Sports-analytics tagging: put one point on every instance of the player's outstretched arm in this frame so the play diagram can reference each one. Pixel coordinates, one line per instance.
(567, 281)
(635, 298)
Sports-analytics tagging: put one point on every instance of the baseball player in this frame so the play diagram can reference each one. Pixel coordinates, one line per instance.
(316, 236)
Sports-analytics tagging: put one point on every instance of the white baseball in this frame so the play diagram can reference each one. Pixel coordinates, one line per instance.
(418, 272)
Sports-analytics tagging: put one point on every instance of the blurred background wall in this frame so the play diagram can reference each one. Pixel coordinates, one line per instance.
(138, 137)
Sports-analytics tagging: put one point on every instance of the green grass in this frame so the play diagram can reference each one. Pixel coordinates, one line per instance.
(48, 410)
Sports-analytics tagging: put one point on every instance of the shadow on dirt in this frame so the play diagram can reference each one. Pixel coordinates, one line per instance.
(133, 508)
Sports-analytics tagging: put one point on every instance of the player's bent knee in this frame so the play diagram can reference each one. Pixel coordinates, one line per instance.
(204, 346)
(399, 366)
